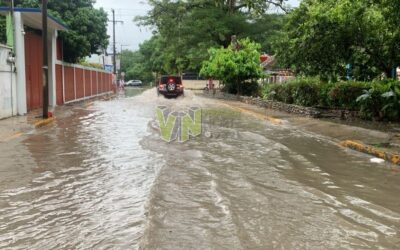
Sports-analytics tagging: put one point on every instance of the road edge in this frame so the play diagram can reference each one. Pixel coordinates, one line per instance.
(361, 147)
(44, 122)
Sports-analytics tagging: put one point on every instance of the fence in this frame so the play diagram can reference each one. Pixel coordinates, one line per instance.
(77, 82)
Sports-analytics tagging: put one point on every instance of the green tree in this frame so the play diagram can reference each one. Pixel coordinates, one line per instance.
(234, 67)
(323, 36)
(133, 64)
(145, 63)
(187, 29)
(87, 32)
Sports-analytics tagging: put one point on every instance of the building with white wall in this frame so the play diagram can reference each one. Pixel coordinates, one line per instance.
(27, 62)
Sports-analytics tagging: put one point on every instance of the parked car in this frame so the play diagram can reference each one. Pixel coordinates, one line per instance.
(170, 86)
(134, 83)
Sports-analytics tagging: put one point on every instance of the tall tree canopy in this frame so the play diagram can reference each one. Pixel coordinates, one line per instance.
(185, 30)
(323, 36)
(142, 63)
(87, 32)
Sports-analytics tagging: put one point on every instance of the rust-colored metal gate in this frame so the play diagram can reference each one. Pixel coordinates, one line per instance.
(33, 70)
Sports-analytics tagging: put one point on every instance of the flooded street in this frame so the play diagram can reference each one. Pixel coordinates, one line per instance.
(102, 178)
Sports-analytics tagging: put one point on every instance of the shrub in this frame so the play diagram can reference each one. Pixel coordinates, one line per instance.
(381, 101)
(279, 92)
(345, 94)
(375, 100)
(306, 92)
(251, 89)
(324, 99)
(303, 91)
(391, 109)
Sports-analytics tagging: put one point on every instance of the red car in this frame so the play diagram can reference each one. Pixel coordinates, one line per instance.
(170, 86)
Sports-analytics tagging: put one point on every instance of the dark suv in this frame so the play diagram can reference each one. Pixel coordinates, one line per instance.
(170, 86)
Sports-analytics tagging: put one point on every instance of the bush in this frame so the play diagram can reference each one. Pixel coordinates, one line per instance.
(381, 101)
(375, 100)
(279, 92)
(306, 92)
(324, 99)
(391, 101)
(345, 94)
(250, 88)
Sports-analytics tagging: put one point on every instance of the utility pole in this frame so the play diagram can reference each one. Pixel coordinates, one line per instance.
(114, 44)
(114, 49)
(123, 45)
(45, 61)
(120, 73)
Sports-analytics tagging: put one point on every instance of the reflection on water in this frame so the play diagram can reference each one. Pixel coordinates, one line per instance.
(103, 178)
(134, 91)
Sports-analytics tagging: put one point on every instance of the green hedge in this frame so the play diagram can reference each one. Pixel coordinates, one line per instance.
(375, 100)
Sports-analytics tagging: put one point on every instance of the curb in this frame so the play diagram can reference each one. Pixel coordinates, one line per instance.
(44, 122)
(358, 146)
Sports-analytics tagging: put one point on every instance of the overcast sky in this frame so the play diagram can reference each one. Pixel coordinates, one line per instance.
(129, 34)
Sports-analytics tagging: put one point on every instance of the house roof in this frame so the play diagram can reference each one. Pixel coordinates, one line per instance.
(269, 63)
(32, 17)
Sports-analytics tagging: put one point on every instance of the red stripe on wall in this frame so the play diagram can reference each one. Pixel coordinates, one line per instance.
(59, 87)
(79, 83)
(69, 85)
(88, 86)
(94, 82)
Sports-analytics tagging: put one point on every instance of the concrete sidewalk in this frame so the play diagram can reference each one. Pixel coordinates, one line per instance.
(13, 127)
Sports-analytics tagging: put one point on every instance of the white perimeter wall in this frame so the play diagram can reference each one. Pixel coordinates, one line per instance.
(8, 93)
(198, 84)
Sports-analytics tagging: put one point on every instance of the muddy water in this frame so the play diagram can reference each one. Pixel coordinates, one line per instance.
(102, 178)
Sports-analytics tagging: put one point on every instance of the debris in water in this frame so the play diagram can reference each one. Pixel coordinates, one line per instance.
(377, 160)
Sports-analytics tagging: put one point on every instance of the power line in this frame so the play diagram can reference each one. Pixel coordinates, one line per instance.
(145, 9)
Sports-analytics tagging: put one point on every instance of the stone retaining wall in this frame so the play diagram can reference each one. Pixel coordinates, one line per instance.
(289, 108)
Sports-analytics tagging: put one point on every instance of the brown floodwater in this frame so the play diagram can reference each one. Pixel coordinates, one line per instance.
(102, 178)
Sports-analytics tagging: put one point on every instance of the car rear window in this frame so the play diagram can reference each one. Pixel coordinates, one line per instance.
(165, 79)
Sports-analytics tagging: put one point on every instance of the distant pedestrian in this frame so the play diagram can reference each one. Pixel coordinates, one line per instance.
(211, 85)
